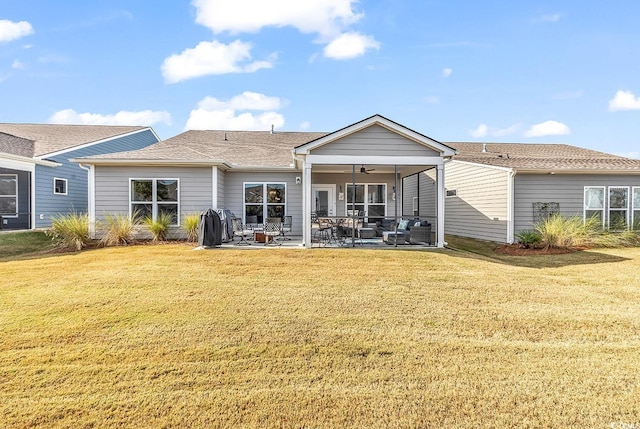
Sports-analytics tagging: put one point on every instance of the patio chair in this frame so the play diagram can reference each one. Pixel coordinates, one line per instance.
(287, 222)
(240, 230)
(272, 230)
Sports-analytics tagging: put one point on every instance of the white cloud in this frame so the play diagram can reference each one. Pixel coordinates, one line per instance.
(481, 131)
(10, 30)
(233, 114)
(446, 72)
(548, 128)
(17, 65)
(305, 125)
(350, 45)
(547, 18)
(624, 100)
(326, 18)
(211, 58)
(143, 118)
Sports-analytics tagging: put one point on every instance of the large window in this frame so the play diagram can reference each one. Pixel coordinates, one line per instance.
(636, 208)
(370, 199)
(594, 203)
(8, 195)
(264, 200)
(150, 197)
(618, 207)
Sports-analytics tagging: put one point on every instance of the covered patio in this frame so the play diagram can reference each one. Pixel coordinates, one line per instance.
(359, 177)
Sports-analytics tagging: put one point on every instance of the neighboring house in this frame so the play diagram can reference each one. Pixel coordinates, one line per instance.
(375, 166)
(495, 190)
(264, 174)
(37, 180)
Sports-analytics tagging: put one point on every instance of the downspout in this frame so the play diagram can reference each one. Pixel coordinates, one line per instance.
(511, 206)
(91, 197)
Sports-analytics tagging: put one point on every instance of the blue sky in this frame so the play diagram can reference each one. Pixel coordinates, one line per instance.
(548, 71)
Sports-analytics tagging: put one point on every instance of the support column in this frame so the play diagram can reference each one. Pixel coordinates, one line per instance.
(214, 187)
(440, 196)
(306, 205)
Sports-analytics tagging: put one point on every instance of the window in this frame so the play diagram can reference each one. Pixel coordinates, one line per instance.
(150, 197)
(8, 195)
(370, 199)
(618, 207)
(59, 186)
(594, 203)
(636, 208)
(264, 200)
(452, 192)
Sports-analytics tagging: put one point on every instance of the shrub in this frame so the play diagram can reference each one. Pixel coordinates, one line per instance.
(70, 231)
(559, 231)
(159, 227)
(528, 239)
(120, 230)
(190, 225)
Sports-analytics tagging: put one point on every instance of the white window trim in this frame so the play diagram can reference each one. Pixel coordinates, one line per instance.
(604, 204)
(8, 216)
(366, 203)
(154, 202)
(265, 205)
(609, 209)
(66, 186)
(633, 207)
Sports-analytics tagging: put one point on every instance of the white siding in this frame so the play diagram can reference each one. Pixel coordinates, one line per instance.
(565, 189)
(375, 140)
(422, 185)
(479, 210)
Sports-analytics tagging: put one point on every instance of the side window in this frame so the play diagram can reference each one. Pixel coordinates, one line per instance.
(59, 186)
(594, 203)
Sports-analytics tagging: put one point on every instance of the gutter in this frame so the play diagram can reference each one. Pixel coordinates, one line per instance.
(29, 160)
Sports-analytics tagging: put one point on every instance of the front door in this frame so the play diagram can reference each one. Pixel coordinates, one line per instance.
(323, 200)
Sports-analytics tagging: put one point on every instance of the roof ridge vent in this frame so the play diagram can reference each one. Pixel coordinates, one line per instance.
(271, 129)
(484, 148)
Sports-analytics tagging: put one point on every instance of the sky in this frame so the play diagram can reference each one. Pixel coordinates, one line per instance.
(546, 71)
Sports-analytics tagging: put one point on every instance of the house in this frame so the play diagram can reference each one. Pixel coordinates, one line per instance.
(495, 190)
(37, 180)
(264, 174)
(377, 167)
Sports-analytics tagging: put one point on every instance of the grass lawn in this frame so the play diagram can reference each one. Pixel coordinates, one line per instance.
(163, 336)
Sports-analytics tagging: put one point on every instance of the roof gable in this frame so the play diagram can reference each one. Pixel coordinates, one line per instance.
(376, 121)
(51, 138)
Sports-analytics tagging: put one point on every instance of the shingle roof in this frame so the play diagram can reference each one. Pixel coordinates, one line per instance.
(241, 148)
(48, 138)
(527, 156)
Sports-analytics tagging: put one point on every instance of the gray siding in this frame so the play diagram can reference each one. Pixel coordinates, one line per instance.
(112, 188)
(479, 210)
(375, 140)
(234, 193)
(565, 189)
(23, 218)
(48, 204)
(423, 186)
(341, 180)
(221, 189)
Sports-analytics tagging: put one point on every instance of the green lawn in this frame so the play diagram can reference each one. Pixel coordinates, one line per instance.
(164, 336)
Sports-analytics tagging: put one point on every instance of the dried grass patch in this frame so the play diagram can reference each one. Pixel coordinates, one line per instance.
(161, 336)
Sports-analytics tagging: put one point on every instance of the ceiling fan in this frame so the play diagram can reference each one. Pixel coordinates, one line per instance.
(364, 170)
